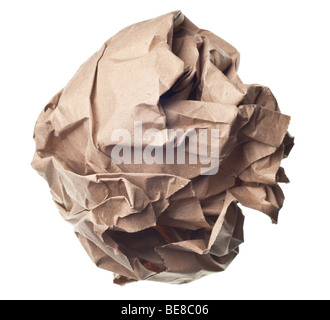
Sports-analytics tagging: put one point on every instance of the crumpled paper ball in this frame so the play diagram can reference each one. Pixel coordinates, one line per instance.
(141, 212)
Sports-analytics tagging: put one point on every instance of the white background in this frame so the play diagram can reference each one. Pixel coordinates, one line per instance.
(283, 44)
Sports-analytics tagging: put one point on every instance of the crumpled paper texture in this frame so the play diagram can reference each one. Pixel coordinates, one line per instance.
(157, 222)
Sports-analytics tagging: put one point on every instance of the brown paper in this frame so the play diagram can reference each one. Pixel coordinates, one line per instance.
(162, 222)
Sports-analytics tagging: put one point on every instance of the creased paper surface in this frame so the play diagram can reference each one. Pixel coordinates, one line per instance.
(162, 221)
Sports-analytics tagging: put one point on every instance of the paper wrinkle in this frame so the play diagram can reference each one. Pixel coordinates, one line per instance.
(162, 222)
